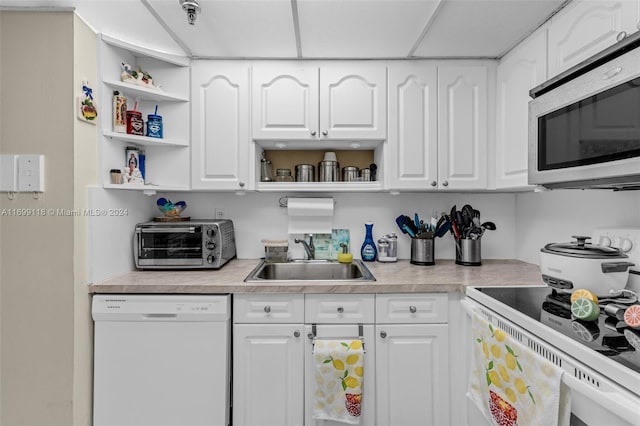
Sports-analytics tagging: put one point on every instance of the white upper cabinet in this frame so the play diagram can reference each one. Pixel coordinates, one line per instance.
(584, 28)
(343, 101)
(285, 101)
(412, 148)
(518, 72)
(462, 126)
(221, 154)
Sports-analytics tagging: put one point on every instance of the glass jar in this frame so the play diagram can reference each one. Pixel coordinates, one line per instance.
(283, 175)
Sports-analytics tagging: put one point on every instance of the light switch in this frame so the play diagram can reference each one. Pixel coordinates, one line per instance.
(31, 173)
(8, 173)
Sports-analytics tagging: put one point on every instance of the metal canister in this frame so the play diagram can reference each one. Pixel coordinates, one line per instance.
(328, 171)
(305, 173)
(366, 175)
(350, 173)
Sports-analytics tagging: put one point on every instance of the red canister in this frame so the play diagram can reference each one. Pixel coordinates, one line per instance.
(135, 125)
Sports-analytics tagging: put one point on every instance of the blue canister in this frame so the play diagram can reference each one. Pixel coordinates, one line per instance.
(154, 126)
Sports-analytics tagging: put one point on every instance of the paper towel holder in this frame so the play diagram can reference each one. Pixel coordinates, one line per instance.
(283, 201)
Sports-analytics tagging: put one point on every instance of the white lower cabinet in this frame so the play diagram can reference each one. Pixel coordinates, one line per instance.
(406, 360)
(412, 374)
(268, 360)
(412, 360)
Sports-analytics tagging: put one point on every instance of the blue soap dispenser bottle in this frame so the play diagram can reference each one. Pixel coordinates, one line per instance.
(369, 252)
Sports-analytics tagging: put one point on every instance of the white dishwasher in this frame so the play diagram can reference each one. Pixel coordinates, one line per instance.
(161, 360)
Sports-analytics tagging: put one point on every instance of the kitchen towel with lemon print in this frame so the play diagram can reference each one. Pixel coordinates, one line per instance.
(511, 384)
(339, 372)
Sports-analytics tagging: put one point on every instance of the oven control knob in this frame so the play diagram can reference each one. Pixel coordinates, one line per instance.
(625, 245)
(211, 232)
(211, 245)
(211, 258)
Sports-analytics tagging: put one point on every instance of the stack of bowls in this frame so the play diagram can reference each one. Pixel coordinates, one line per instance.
(329, 168)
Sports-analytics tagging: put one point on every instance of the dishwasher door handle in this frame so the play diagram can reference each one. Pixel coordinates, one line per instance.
(159, 316)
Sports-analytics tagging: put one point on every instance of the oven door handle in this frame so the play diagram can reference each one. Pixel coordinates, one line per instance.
(169, 230)
(615, 402)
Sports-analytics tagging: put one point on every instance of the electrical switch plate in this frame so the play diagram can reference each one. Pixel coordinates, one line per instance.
(8, 173)
(31, 173)
(219, 212)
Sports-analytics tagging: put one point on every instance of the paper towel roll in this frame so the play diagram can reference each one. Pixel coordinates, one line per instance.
(310, 215)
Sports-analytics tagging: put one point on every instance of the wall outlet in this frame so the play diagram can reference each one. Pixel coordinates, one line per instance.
(31, 173)
(220, 214)
(8, 173)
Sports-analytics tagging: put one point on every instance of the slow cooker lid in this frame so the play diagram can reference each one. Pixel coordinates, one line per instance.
(580, 248)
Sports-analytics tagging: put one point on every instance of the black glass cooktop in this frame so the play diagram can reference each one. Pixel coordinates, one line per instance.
(608, 335)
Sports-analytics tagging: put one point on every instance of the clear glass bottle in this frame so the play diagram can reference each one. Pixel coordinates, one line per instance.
(369, 252)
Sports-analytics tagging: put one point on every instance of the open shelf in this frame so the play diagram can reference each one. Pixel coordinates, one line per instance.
(145, 93)
(146, 141)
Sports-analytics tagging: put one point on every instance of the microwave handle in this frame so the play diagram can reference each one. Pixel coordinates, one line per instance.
(189, 229)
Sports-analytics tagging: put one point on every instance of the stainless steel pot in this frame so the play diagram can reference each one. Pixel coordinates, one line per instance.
(578, 264)
(305, 173)
(328, 171)
(350, 173)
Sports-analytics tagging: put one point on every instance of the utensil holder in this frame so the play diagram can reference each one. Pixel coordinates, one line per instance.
(468, 252)
(422, 250)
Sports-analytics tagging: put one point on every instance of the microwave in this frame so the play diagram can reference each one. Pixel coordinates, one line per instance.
(195, 244)
(584, 124)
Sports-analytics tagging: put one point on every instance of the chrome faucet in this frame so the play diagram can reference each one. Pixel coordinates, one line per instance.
(309, 248)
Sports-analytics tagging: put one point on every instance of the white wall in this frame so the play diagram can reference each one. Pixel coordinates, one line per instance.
(257, 216)
(555, 216)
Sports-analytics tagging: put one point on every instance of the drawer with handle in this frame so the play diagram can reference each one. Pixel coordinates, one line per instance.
(412, 308)
(339, 308)
(268, 308)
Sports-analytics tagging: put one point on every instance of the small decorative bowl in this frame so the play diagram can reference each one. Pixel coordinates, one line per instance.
(170, 209)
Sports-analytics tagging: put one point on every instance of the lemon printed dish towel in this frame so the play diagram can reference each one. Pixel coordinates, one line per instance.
(512, 385)
(339, 372)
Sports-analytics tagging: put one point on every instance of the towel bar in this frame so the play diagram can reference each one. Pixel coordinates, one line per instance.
(312, 336)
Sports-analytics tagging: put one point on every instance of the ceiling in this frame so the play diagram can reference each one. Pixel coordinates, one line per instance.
(314, 29)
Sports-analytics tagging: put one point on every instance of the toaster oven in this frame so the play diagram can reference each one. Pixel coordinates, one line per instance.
(195, 244)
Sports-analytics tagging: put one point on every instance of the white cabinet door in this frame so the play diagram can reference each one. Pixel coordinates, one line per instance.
(412, 148)
(285, 101)
(412, 369)
(268, 380)
(462, 127)
(353, 101)
(586, 27)
(521, 70)
(221, 152)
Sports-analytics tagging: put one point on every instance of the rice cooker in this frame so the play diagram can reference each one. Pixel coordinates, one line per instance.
(579, 264)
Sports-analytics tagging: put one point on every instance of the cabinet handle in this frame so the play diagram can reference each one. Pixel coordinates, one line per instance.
(445, 183)
(413, 309)
(267, 309)
(313, 133)
(296, 333)
(621, 36)
(340, 309)
(383, 334)
(325, 133)
(241, 184)
(434, 183)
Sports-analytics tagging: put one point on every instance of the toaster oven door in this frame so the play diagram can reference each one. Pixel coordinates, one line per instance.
(169, 246)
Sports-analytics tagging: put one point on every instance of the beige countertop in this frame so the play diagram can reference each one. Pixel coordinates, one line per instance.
(399, 277)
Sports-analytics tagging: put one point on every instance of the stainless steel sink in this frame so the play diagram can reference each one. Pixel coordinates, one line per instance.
(310, 270)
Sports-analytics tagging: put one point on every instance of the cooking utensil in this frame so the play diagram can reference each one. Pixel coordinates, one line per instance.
(578, 264)
(454, 225)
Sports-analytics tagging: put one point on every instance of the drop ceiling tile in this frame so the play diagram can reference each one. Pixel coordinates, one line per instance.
(233, 28)
(362, 28)
(483, 28)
